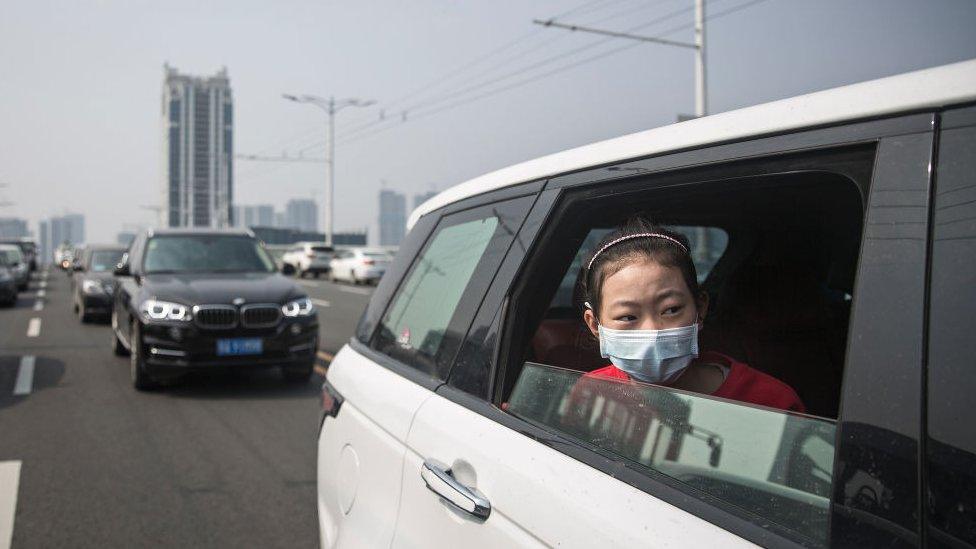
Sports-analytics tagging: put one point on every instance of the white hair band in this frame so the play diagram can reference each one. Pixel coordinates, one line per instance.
(631, 237)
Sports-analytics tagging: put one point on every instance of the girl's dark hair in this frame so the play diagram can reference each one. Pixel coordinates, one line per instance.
(616, 257)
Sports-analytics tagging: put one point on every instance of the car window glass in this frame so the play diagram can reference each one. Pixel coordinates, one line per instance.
(773, 464)
(429, 314)
(205, 253)
(104, 260)
(419, 315)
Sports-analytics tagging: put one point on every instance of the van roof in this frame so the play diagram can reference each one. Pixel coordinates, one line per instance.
(928, 88)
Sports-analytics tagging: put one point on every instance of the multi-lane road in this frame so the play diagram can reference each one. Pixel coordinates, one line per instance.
(224, 459)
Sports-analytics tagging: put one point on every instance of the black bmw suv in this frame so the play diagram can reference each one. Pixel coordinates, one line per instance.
(200, 299)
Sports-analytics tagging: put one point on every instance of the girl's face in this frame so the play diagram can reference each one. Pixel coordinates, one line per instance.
(645, 295)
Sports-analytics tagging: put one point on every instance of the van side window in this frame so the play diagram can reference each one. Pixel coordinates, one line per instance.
(434, 305)
(777, 256)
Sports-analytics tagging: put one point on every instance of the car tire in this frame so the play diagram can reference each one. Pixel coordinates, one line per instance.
(137, 366)
(298, 375)
(117, 347)
(83, 316)
(315, 274)
(353, 278)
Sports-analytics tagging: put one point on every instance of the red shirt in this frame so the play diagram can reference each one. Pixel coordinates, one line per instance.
(742, 383)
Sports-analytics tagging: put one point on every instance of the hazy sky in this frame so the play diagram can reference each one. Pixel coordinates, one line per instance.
(80, 85)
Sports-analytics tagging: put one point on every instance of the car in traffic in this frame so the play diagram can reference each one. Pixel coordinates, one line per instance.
(28, 248)
(18, 265)
(309, 258)
(199, 299)
(8, 283)
(93, 281)
(359, 265)
(834, 238)
(64, 257)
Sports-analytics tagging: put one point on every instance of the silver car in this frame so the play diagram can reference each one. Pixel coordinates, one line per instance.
(18, 267)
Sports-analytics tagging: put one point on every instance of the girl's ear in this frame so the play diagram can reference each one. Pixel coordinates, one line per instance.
(591, 322)
(702, 303)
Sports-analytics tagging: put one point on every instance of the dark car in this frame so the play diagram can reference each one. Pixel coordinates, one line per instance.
(8, 283)
(93, 282)
(194, 299)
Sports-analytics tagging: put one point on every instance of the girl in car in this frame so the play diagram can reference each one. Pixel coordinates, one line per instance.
(643, 302)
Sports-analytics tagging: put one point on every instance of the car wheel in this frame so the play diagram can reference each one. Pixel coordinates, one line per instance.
(315, 274)
(353, 278)
(117, 346)
(137, 364)
(83, 316)
(298, 375)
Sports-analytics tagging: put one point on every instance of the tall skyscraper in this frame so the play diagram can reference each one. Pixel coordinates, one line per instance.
(393, 217)
(302, 214)
(13, 227)
(198, 150)
(419, 199)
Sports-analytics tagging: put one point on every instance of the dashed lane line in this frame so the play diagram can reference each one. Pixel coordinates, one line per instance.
(321, 303)
(38, 305)
(25, 376)
(9, 481)
(43, 283)
(41, 293)
(34, 327)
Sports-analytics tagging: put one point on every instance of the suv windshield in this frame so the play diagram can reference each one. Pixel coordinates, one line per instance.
(206, 253)
(105, 260)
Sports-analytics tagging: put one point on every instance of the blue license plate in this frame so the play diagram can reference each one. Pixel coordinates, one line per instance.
(240, 346)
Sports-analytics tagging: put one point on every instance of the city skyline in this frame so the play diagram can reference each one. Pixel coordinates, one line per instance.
(107, 147)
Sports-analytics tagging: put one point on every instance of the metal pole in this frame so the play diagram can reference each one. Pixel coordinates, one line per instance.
(330, 185)
(701, 90)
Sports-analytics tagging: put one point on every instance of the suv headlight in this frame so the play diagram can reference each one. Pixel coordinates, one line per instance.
(93, 287)
(299, 307)
(164, 310)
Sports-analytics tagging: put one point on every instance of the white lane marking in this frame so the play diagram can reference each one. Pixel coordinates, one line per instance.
(309, 284)
(360, 291)
(38, 305)
(321, 303)
(25, 376)
(41, 293)
(43, 283)
(9, 481)
(34, 327)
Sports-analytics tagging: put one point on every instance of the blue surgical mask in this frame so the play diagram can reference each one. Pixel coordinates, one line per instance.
(652, 356)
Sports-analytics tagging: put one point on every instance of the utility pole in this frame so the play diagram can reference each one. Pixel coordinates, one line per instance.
(701, 91)
(331, 107)
(701, 95)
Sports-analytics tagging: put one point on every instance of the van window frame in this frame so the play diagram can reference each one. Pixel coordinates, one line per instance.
(490, 320)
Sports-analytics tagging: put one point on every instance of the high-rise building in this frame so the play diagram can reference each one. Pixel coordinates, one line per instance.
(301, 214)
(198, 150)
(44, 250)
(419, 199)
(393, 217)
(13, 227)
(262, 215)
(58, 230)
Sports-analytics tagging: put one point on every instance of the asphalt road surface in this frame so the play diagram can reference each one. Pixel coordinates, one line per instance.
(219, 460)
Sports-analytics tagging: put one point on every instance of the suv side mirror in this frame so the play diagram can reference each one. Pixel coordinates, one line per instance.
(287, 269)
(122, 269)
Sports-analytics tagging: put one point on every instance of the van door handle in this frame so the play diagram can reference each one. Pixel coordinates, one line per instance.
(440, 481)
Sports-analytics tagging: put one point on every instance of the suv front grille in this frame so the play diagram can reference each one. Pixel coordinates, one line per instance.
(260, 316)
(215, 316)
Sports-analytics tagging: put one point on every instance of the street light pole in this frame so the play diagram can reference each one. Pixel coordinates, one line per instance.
(331, 107)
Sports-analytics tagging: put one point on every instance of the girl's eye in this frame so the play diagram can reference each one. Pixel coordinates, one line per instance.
(673, 310)
(626, 318)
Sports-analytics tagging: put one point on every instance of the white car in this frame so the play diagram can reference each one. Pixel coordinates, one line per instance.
(309, 258)
(835, 234)
(360, 265)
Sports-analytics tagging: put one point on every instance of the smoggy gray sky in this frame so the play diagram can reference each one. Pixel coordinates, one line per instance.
(80, 85)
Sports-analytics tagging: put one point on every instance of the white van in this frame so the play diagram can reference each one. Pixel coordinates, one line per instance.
(835, 234)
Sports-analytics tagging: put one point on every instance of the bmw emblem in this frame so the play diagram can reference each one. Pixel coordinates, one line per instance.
(238, 301)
